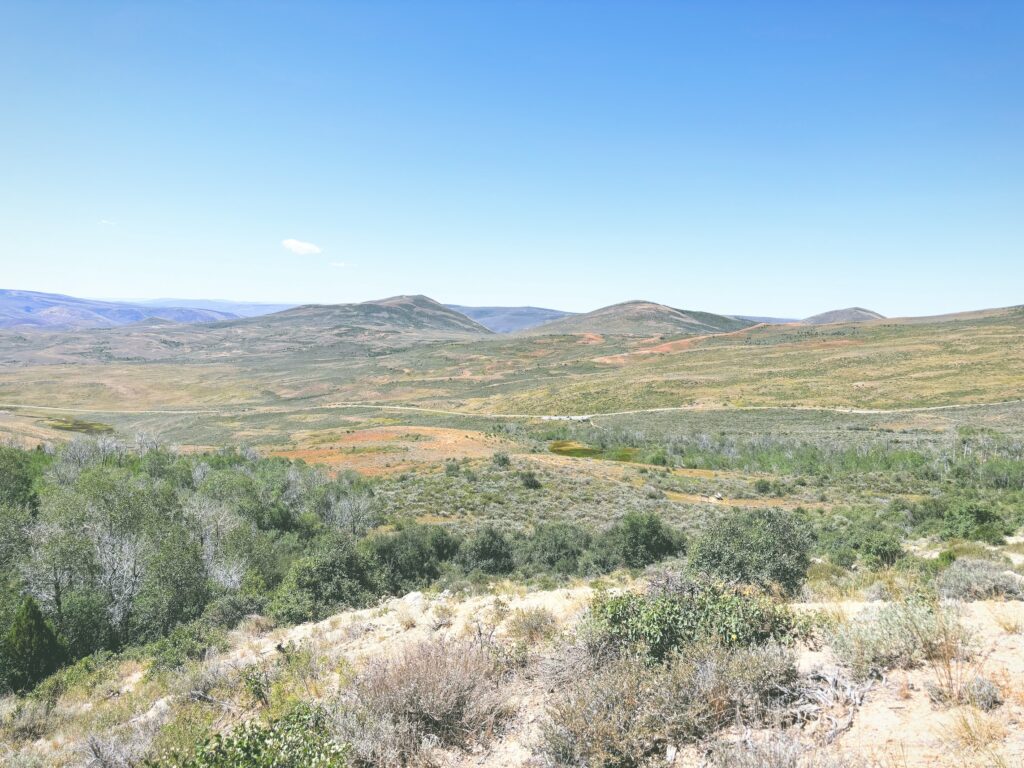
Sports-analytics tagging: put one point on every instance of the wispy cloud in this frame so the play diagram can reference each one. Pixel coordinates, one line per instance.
(339, 263)
(300, 247)
(105, 223)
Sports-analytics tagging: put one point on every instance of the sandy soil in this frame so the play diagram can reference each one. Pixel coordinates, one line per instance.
(383, 450)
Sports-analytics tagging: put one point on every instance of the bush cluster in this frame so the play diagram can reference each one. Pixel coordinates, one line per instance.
(674, 616)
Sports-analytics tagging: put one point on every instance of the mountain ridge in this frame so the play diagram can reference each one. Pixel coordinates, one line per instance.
(639, 317)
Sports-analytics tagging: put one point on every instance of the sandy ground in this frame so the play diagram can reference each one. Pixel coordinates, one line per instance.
(383, 450)
(896, 726)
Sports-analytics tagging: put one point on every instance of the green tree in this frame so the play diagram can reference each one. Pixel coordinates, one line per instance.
(30, 649)
(638, 540)
(764, 547)
(487, 550)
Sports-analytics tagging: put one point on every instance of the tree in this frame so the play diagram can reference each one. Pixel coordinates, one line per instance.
(764, 547)
(638, 540)
(487, 550)
(30, 649)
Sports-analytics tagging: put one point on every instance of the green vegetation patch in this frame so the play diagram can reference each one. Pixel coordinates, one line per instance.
(68, 424)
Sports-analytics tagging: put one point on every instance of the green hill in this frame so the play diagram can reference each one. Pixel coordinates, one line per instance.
(642, 318)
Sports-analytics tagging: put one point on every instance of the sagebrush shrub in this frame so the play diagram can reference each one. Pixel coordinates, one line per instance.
(627, 711)
(970, 579)
(898, 635)
(440, 691)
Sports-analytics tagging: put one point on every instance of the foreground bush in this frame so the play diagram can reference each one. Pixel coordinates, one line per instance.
(899, 635)
(765, 547)
(969, 579)
(439, 692)
(627, 712)
(677, 613)
(297, 740)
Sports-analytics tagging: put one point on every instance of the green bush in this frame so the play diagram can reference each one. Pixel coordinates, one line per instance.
(30, 650)
(973, 520)
(332, 579)
(685, 612)
(411, 557)
(487, 550)
(556, 548)
(764, 547)
(298, 740)
(638, 540)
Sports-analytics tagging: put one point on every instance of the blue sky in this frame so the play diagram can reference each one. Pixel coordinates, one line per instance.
(763, 158)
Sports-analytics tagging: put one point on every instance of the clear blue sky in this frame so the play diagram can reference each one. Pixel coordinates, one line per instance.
(763, 158)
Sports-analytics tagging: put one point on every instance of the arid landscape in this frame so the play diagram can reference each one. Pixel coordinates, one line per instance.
(511, 384)
(875, 466)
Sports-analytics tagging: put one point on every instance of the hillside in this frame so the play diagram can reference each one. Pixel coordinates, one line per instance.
(510, 319)
(642, 318)
(850, 315)
(391, 315)
(29, 309)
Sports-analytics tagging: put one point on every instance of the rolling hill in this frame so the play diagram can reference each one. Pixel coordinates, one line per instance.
(510, 319)
(29, 309)
(642, 318)
(850, 315)
(392, 315)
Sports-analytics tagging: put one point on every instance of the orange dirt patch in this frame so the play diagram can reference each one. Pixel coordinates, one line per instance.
(382, 450)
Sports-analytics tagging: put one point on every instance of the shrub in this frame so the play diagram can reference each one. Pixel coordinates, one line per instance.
(529, 479)
(185, 643)
(440, 691)
(557, 547)
(531, 625)
(335, 577)
(686, 612)
(297, 740)
(487, 550)
(969, 579)
(897, 635)
(881, 548)
(501, 460)
(638, 540)
(972, 520)
(765, 547)
(30, 650)
(411, 557)
(626, 712)
(778, 750)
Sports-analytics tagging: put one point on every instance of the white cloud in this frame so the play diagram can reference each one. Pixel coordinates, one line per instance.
(339, 263)
(300, 247)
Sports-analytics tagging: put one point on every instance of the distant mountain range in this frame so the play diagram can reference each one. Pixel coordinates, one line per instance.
(510, 319)
(237, 308)
(25, 310)
(28, 309)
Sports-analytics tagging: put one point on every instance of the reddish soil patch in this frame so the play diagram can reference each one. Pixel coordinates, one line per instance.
(383, 450)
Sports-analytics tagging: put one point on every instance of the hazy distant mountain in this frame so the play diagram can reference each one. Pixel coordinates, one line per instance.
(851, 315)
(769, 320)
(237, 308)
(642, 318)
(29, 309)
(509, 319)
